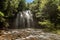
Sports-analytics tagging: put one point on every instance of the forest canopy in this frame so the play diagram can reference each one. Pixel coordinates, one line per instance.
(46, 13)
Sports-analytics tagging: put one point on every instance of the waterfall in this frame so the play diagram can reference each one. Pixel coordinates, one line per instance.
(24, 19)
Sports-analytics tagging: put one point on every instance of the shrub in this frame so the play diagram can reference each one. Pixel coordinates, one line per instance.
(3, 23)
(47, 24)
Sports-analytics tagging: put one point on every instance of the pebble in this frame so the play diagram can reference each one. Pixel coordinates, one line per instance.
(37, 35)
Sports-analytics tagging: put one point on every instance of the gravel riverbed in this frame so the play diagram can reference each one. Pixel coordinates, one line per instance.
(28, 34)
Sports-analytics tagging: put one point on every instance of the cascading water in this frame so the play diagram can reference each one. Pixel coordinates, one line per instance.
(24, 19)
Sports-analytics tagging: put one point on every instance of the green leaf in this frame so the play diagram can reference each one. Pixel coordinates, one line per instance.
(1, 14)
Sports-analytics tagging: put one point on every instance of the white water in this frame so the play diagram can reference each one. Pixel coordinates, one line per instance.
(24, 19)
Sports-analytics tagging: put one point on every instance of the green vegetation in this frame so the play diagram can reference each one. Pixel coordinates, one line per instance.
(9, 10)
(46, 13)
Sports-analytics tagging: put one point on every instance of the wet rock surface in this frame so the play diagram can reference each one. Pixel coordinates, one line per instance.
(28, 34)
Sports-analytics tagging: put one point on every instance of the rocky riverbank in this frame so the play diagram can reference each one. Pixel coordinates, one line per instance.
(28, 34)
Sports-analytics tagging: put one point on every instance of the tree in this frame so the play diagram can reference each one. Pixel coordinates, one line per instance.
(22, 5)
(44, 10)
(10, 8)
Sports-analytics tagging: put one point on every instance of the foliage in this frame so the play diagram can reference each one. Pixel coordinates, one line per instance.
(1, 14)
(22, 5)
(1, 17)
(3, 21)
(9, 10)
(47, 13)
(47, 24)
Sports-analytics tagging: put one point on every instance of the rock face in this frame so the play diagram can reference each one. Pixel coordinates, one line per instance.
(28, 34)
